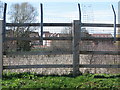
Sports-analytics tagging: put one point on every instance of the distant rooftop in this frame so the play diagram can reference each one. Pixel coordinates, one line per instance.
(101, 35)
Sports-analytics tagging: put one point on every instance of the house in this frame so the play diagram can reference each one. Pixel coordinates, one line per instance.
(93, 45)
(103, 45)
(56, 44)
(102, 35)
(48, 43)
(34, 34)
(63, 44)
(98, 45)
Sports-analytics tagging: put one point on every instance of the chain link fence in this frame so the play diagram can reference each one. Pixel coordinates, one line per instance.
(58, 51)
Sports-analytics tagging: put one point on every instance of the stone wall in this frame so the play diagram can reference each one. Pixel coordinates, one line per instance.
(61, 59)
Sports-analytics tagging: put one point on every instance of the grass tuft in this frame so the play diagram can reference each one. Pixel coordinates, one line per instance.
(33, 80)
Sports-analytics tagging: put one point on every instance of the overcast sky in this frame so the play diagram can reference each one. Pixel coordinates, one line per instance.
(67, 10)
(97, 10)
(60, 0)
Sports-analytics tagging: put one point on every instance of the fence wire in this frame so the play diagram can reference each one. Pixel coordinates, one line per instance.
(54, 47)
(99, 45)
(57, 46)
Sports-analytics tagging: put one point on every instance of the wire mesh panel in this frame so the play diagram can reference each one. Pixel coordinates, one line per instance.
(102, 50)
(99, 48)
(100, 60)
(39, 60)
(23, 45)
(27, 50)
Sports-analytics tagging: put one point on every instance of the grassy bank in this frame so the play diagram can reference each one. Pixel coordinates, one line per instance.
(30, 80)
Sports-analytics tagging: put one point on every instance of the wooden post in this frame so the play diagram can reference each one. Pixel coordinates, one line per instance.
(4, 21)
(76, 41)
(1, 49)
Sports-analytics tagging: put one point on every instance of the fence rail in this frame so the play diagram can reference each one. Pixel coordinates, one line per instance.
(75, 53)
(61, 24)
(61, 66)
(64, 52)
(37, 38)
(37, 24)
(77, 24)
(98, 25)
(60, 38)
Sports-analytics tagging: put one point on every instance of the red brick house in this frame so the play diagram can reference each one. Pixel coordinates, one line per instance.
(103, 45)
(102, 35)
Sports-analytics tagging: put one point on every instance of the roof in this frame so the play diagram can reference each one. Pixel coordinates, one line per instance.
(48, 34)
(101, 35)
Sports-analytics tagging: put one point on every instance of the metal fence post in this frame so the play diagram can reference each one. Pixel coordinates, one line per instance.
(1, 49)
(41, 24)
(76, 41)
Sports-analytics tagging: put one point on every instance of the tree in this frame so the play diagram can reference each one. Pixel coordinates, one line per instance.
(22, 13)
(67, 30)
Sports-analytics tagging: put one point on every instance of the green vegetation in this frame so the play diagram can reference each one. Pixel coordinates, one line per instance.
(32, 80)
